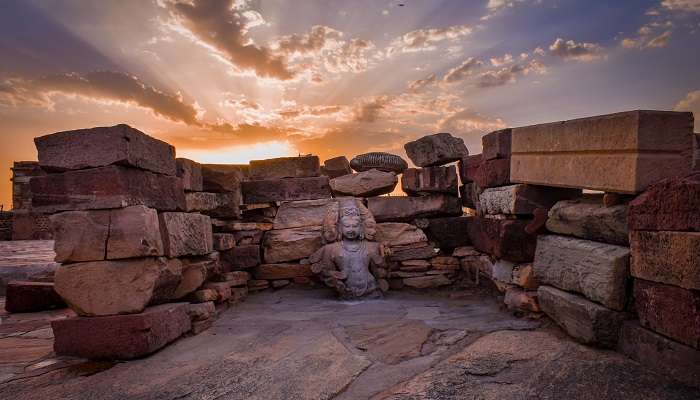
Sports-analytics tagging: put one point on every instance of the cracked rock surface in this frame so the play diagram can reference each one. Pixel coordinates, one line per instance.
(304, 344)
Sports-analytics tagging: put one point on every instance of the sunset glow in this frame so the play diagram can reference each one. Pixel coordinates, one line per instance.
(239, 154)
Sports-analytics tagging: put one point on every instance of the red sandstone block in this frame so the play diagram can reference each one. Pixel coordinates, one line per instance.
(337, 166)
(492, 173)
(468, 167)
(284, 167)
(288, 189)
(496, 144)
(121, 337)
(503, 238)
(670, 205)
(191, 174)
(106, 187)
(430, 180)
(240, 257)
(449, 232)
(23, 296)
(669, 310)
(223, 177)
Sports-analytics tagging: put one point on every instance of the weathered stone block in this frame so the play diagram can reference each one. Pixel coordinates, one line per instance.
(445, 263)
(667, 257)
(670, 205)
(295, 214)
(492, 173)
(121, 337)
(519, 299)
(134, 232)
(503, 238)
(415, 181)
(469, 194)
(521, 199)
(468, 167)
(80, 235)
(248, 237)
(437, 149)
(235, 278)
(236, 226)
(524, 276)
(449, 232)
(224, 241)
(291, 244)
(404, 208)
(186, 234)
(106, 187)
(25, 297)
(284, 167)
(397, 233)
(336, 166)
(223, 177)
(588, 218)
(240, 257)
(596, 270)
(669, 310)
(585, 321)
(113, 287)
(364, 184)
(195, 271)
(203, 296)
(281, 271)
(414, 251)
(191, 174)
(201, 311)
(428, 281)
(415, 265)
(217, 205)
(288, 189)
(99, 147)
(222, 289)
(502, 270)
(380, 161)
(659, 353)
(623, 152)
(30, 225)
(496, 144)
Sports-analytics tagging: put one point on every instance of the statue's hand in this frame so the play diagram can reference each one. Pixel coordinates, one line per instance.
(340, 275)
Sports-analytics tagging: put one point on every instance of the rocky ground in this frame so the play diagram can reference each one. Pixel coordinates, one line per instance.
(304, 344)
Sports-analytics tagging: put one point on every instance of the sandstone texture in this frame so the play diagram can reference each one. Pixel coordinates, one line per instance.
(223, 177)
(99, 147)
(588, 218)
(428, 281)
(121, 337)
(519, 299)
(449, 232)
(291, 244)
(191, 174)
(27, 297)
(667, 257)
(111, 287)
(670, 205)
(503, 238)
(596, 270)
(496, 144)
(669, 310)
(217, 205)
(384, 162)
(486, 173)
(281, 271)
(186, 234)
(240, 257)
(521, 199)
(623, 153)
(469, 194)
(284, 167)
(364, 184)
(106, 187)
(224, 241)
(468, 167)
(295, 214)
(397, 233)
(289, 189)
(403, 208)
(336, 166)
(413, 251)
(133, 232)
(660, 353)
(437, 149)
(416, 181)
(584, 320)
(195, 271)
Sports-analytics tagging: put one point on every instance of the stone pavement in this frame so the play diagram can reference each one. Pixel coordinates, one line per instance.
(304, 344)
(24, 260)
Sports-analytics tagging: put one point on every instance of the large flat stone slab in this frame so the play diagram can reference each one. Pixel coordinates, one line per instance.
(217, 205)
(624, 152)
(364, 184)
(99, 147)
(291, 244)
(289, 189)
(284, 167)
(596, 270)
(106, 187)
(295, 214)
(437, 149)
(398, 233)
(404, 208)
(521, 199)
(670, 205)
(584, 320)
(121, 337)
(416, 181)
(667, 257)
(281, 271)
(588, 218)
(223, 177)
(186, 234)
(669, 310)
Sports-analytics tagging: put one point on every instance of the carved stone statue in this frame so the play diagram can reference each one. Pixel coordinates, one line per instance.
(351, 256)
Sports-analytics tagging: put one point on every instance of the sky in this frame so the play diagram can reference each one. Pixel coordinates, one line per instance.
(227, 81)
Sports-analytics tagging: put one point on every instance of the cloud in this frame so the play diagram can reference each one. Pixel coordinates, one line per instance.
(311, 42)
(426, 39)
(495, 7)
(506, 59)
(570, 50)
(420, 84)
(223, 25)
(682, 5)
(651, 35)
(462, 71)
(468, 120)
(370, 111)
(510, 74)
(691, 102)
(102, 86)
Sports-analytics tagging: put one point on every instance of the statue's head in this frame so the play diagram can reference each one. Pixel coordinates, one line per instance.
(348, 218)
(351, 225)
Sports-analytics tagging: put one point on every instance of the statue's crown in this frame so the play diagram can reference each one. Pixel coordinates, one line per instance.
(350, 212)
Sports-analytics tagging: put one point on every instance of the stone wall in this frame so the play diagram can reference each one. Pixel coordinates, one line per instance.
(5, 225)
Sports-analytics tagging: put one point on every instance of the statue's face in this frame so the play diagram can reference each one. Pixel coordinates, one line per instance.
(350, 227)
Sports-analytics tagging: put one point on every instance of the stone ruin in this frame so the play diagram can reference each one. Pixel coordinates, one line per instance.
(593, 222)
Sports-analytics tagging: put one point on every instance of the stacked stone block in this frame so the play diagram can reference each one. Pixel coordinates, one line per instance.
(26, 223)
(125, 238)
